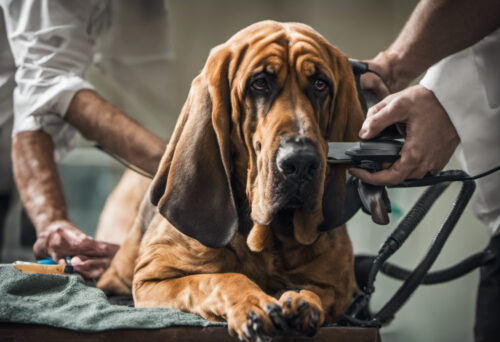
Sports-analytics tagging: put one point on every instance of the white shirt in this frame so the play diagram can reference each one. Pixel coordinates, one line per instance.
(7, 70)
(467, 84)
(53, 43)
(52, 48)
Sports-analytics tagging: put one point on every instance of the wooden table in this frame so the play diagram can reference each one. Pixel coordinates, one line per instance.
(14, 332)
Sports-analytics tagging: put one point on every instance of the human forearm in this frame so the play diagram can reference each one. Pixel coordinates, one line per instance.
(37, 178)
(39, 186)
(99, 121)
(436, 29)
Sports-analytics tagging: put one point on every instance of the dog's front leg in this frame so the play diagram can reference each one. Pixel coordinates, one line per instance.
(250, 313)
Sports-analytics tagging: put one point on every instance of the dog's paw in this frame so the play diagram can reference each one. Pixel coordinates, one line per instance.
(303, 311)
(256, 319)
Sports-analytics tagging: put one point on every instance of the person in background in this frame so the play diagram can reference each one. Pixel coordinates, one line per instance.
(53, 42)
(457, 103)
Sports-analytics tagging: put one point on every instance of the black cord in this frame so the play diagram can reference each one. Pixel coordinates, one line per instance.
(359, 68)
(379, 76)
(445, 176)
(484, 174)
(123, 162)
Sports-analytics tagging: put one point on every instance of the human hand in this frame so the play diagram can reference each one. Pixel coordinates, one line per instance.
(431, 138)
(61, 238)
(396, 75)
(371, 82)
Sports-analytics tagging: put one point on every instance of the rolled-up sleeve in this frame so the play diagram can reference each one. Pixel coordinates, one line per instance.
(52, 48)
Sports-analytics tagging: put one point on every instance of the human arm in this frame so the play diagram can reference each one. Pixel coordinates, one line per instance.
(435, 29)
(105, 124)
(39, 185)
(52, 43)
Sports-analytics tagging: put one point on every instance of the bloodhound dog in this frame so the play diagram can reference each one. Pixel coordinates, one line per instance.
(241, 222)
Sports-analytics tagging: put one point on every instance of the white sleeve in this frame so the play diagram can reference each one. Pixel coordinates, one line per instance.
(467, 84)
(52, 48)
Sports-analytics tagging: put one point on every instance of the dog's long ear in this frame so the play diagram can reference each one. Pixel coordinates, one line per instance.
(345, 122)
(192, 187)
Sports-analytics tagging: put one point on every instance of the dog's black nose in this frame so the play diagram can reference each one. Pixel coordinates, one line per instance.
(298, 159)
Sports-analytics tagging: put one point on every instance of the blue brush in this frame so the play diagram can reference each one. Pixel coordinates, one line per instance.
(46, 261)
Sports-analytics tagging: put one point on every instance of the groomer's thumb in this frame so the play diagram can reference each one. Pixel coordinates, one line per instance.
(377, 121)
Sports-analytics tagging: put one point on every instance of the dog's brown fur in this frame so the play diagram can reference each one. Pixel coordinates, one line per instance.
(122, 208)
(217, 184)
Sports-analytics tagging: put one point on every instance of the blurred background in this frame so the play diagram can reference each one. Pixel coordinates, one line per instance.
(359, 28)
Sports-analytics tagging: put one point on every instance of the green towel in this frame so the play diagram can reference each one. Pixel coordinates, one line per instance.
(66, 301)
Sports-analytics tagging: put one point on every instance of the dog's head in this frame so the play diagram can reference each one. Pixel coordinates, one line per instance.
(258, 118)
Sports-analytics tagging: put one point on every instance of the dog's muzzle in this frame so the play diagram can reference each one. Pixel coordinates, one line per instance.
(298, 161)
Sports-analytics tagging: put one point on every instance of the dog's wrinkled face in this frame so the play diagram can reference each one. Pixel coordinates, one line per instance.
(286, 84)
(259, 115)
(287, 93)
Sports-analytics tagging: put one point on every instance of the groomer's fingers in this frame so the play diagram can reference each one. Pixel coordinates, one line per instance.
(90, 268)
(410, 165)
(65, 239)
(373, 110)
(372, 83)
(397, 173)
(392, 110)
(431, 137)
(86, 245)
(40, 248)
(418, 173)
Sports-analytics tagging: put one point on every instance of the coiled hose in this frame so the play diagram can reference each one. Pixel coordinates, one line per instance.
(358, 313)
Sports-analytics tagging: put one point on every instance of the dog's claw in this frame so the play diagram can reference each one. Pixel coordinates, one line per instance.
(253, 330)
(303, 306)
(251, 326)
(276, 314)
(313, 326)
(247, 333)
(314, 318)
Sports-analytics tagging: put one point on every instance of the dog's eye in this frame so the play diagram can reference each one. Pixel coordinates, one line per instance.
(260, 84)
(319, 85)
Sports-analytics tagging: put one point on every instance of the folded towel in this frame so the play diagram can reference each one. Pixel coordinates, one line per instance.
(66, 301)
